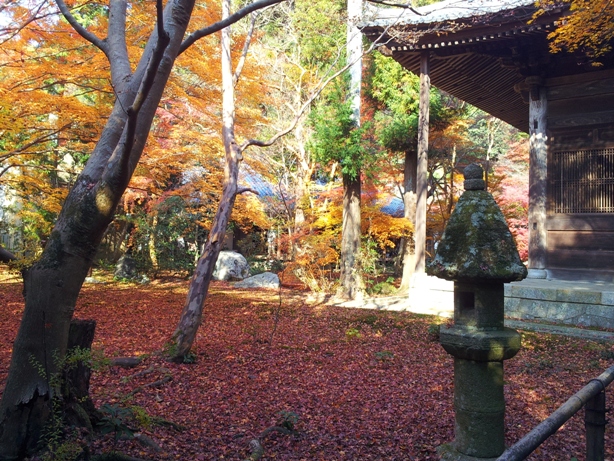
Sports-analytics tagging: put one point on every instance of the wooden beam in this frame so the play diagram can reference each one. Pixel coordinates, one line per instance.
(421, 179)
(538, 155)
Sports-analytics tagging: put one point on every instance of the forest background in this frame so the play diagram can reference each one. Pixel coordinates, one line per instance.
(56, 95)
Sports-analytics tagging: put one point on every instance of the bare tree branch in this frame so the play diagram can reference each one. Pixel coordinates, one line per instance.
(200, 33)
(248, 41)
(86, 34)
(38, 140)
(31, 167)
(407, 6)
(12, 32)
(243, 190)
(320, 87)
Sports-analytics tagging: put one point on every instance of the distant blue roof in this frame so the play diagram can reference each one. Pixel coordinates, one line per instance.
(394, 207)
(255, 181)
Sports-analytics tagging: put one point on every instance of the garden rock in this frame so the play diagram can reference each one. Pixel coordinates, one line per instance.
(93, 280)
(126, 268)
(264, 280)
(230, 265)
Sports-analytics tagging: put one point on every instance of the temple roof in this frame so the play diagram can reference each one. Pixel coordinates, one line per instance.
(484, 52)
(441, 11)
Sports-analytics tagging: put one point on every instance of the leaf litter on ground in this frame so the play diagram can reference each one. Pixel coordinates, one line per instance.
(362, 384)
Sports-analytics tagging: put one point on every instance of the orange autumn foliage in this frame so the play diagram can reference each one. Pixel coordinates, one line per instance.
(55, 94)
(589, 27)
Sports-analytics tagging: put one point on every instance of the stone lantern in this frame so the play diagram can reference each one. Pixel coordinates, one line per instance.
(477, 252)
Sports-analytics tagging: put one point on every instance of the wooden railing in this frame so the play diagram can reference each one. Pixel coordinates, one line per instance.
(591, 396)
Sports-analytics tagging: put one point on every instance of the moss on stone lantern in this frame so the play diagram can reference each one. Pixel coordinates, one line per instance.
(477, 244)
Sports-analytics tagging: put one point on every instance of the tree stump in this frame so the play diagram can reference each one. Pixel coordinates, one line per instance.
(80, 410)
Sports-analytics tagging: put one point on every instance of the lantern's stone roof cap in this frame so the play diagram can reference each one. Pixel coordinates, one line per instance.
(477, 245)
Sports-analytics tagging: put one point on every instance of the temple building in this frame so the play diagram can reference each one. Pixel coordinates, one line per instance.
(496, 56)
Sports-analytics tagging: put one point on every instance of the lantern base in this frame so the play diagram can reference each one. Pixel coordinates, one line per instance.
(447, 452)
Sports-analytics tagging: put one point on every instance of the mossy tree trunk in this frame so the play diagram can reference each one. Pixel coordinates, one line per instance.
(79, 409)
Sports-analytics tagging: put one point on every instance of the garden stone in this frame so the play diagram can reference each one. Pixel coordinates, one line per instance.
(125, 268)
(230, 265)
(264, 280)
(92, 280)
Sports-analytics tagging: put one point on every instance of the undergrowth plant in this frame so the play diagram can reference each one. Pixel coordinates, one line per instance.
(57, 441)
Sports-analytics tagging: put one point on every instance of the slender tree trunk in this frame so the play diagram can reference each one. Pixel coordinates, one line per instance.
(409, 213)
(351, 278)
(52, 285)
(191, 317)
(422, 173)
(151, 243)
(303, 175)
(452, 168)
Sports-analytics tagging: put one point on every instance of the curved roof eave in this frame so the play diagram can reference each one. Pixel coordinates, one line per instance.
(447, 10)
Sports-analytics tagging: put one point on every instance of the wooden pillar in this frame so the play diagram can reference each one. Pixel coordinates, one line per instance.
(421, 179)
(595, 422)
(538, 156)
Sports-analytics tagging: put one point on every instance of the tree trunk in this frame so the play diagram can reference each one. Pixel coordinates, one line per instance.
(409, 213)
(51, 293)
(351, 278)
(151, 243)
(191, 317)
(421, 178)
(52, 285)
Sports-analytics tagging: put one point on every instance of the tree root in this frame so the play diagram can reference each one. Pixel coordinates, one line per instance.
(157, 383)
(147, 371)
(126, 362)
(115, 456)
(148, 442)
(255, 445)
(157, 421)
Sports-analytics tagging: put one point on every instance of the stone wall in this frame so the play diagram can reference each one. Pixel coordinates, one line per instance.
(571, 303)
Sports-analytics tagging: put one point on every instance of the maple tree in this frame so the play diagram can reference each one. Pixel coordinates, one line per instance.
(303, 50)
(189, 323)
(510, 190)
(320, 250)
(588, 27)
(191, 317)
(42, 167)
(53, 283)
(51, 104)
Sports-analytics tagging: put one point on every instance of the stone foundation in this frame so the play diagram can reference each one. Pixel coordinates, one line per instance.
(572, 303)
